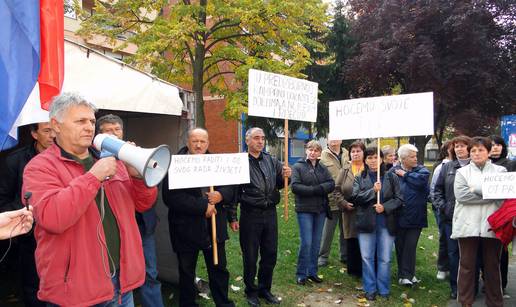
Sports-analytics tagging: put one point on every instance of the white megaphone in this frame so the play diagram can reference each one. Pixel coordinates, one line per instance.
(152, 163)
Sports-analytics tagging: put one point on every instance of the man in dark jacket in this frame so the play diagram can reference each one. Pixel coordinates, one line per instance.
(10, 199)
(413, 215)
(150, 291)
(189, 216)
(258, 219)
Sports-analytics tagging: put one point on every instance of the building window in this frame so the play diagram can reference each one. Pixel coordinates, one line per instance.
(69, 10)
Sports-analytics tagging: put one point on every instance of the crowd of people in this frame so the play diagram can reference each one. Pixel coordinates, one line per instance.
(93, 240)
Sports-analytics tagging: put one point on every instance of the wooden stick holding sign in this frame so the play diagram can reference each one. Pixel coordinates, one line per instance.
(277, 96)
(214, 234)
(378, 170)
(285, 186)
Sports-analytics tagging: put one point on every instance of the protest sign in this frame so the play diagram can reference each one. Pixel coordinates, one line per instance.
(499, 186)
(385, 116)
(279, 96)
(190, 171)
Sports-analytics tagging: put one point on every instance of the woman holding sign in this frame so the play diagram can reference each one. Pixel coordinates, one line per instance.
(471, 229)
(376, 223)
(311, 183)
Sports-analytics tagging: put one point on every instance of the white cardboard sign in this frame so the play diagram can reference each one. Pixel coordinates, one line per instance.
(499, 186)
(279, 96)
(384, 116)
(192, 171)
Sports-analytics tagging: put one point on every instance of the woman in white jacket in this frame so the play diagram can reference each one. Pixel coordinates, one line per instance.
(470, 226)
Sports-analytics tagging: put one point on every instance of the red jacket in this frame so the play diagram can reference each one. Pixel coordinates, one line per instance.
(68, 254)
(501, 221)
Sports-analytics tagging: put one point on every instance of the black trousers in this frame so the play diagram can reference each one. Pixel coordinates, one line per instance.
(29, 274)
(354, 263)
(504, 267)
(406, 245)
(218, 277)
(258, 234)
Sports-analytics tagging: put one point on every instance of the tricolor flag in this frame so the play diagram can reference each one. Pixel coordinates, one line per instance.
(31, 49)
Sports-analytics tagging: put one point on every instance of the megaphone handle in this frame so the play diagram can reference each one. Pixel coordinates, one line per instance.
(214, 236)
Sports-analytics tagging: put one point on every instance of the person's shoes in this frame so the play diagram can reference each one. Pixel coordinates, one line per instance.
(315, 279)
(253, 301)
(370, 296)
(505, 295)
(359, 288)
(453, 295)
(415, 280)
(301, 281)
(405, 282)
(269, 297)
(441, 275)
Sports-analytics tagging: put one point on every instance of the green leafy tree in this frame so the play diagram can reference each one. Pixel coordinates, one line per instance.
(211, 44)
(327, 69)
(461, 50)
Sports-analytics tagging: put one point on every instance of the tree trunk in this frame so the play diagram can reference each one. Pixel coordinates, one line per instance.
(199, 100)
(420, 143)
(198, 70)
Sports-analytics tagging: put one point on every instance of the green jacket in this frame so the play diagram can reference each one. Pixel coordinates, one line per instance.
(331, 162)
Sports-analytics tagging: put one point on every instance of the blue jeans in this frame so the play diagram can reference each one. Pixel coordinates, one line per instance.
(150, 291)
(380, 243)
(310, 233)
(126, 299)
(453, 255)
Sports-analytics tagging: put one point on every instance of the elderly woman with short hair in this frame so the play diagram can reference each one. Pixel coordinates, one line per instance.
(311, 183)
(471, 229)
(389, 156)
(413, 215)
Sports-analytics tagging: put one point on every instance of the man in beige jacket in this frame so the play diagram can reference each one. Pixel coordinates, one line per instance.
(333, 157)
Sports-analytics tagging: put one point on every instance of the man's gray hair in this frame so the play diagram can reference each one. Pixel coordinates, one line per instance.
(251, 131)
(189, 133)
(405, 150)
(64, 101)
(109, 119)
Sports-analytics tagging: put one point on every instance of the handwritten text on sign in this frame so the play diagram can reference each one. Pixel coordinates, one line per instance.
(499, 186)
(279, 96)
(385, 116)
(190, 171)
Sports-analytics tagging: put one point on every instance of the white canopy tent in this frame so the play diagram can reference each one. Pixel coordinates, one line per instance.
(109, 84)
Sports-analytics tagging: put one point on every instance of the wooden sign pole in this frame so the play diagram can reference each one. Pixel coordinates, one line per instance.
(285, 188)
(378, 169)
(214, 235)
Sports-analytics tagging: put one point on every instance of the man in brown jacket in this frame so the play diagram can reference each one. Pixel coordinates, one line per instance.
(333, 157)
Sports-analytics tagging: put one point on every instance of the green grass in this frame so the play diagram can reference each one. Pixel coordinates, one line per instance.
(430, 292)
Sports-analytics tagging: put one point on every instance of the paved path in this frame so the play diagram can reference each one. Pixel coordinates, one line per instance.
(511, 289)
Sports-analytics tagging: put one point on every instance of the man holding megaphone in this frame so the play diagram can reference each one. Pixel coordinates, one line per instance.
(89, 249)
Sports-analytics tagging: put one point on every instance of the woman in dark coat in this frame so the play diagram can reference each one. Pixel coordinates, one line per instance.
(376, 223)
(498, 156)
(311, 183)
